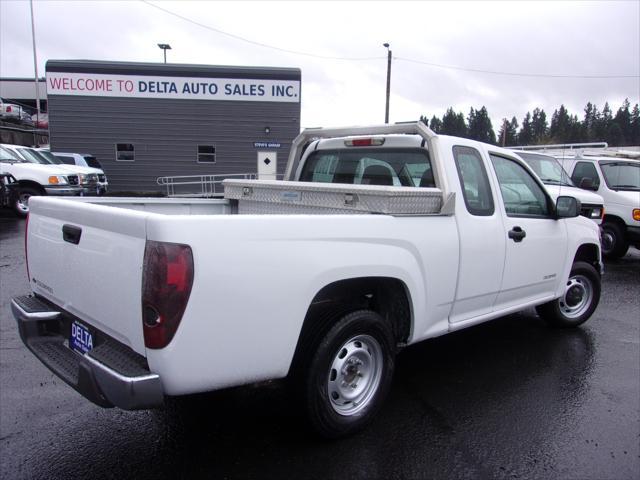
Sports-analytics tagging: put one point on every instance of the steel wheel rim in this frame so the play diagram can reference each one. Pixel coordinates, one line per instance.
(355, 374)
(23, 201)
(607, 241)
(577, 298)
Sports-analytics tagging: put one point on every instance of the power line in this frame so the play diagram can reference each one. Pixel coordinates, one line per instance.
(420, 62)
(259, 44)
(513, 74)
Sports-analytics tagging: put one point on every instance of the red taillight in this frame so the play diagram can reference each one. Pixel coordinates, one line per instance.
(26, 254)
(167, 278)
(8, 108)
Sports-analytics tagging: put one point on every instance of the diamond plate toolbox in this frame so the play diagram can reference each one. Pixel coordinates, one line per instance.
(277, 197)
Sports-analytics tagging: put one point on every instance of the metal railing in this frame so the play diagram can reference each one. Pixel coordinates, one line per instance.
(199, 185)
(561, 146)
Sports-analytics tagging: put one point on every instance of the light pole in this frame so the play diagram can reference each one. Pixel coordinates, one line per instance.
(35, 64)
(164, 47)
(386, 110)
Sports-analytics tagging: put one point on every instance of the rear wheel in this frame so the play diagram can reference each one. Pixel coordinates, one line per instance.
(21, 205)
(579, 300)
(614, 243)
(349, 374)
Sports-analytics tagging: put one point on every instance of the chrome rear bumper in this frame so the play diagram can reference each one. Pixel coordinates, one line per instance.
(109, 375)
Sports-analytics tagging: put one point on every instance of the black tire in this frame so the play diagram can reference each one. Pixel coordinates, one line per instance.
(21, 205)
(614, 243)
(363, 344)
(580, 300)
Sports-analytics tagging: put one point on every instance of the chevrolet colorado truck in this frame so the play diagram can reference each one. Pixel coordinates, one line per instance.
(378, 238)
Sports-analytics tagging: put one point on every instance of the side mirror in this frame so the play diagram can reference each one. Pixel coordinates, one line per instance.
(567, 207)
(587, 184)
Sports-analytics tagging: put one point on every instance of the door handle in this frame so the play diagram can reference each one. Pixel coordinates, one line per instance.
(517, 234)
(71, 234)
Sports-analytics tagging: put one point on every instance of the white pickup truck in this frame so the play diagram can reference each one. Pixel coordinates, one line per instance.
(321, 278)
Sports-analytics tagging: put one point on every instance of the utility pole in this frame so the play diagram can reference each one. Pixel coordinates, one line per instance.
(35, 63)
(386, 110)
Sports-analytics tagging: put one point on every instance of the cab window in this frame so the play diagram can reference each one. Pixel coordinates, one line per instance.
(521, 193)
(473, 180)
(370, 166)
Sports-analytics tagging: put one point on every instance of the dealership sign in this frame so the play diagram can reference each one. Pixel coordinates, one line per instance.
(98, 85)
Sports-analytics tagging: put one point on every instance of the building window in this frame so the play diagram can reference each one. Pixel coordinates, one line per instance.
(206, 154)
(125, 152)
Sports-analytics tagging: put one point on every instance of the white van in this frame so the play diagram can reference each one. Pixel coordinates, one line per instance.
(617, 180)
(558, 182)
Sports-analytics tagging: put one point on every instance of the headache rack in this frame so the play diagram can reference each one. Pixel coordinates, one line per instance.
(293, 197)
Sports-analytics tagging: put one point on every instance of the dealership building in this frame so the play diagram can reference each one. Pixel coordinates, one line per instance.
(147, 120)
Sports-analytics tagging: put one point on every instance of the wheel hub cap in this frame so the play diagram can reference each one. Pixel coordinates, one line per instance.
(354, 374)
(577, 298)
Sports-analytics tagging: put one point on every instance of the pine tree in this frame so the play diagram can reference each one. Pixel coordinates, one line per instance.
(635, 125)
(525, 136)
(539, 126)
(435, 124)
(560, 129)
(590, 117)
(508, 134)
(480, 127)
(623, 120)
(453, 124)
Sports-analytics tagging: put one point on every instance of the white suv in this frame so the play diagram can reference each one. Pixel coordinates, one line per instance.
(84, 160)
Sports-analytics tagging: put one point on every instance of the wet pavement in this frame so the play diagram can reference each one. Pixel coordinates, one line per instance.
(508, 399)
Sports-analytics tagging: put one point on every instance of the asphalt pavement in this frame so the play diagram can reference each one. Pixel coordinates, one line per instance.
(508, 399)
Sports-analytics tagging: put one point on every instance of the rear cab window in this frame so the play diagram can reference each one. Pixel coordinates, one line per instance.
(407, 167)
(476, 190)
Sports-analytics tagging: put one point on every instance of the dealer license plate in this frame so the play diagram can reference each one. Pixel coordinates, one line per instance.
(80, 338)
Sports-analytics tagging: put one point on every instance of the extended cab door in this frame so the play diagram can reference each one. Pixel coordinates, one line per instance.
(536, 242)
(482, 242)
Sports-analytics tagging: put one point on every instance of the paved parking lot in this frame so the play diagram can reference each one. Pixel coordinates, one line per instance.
(508, 399)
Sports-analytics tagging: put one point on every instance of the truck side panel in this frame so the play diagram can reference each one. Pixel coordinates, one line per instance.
(246, 311)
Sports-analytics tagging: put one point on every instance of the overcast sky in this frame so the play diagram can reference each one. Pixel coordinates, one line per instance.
(541, 38)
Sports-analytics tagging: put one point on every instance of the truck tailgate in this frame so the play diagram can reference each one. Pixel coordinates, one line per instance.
(87, 259)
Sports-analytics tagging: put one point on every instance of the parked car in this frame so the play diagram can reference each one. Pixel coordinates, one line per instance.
(558, 182)
(96, 180)
(41, 121)
(617, 180)
(36, 179)
(318, 278)
(10, 111)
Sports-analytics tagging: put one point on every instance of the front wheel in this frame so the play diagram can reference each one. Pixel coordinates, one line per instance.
(614, 243)
(349, 374)
(579, 300)
(21, 205)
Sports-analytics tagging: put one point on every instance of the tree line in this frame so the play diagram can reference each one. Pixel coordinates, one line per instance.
(621, 129)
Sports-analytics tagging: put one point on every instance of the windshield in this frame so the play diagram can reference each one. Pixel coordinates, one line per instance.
(92, 161)
(50, 157)
(33, 156)
(370, 166)
(621, 175)
(548, 169)
(8, 156)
